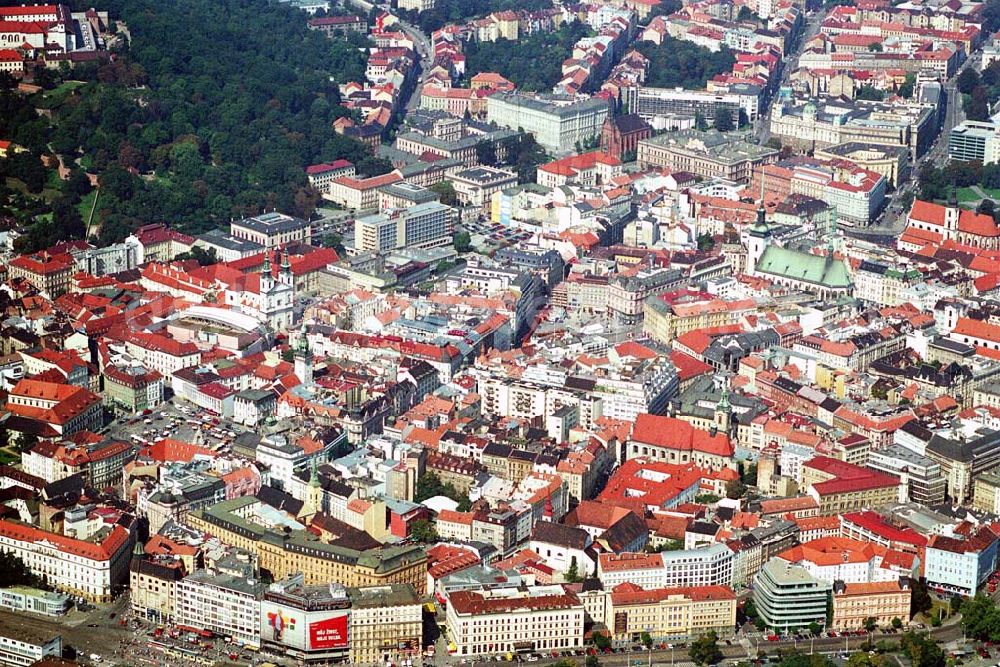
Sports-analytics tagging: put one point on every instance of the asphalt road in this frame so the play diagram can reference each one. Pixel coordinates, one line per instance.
(763, 127)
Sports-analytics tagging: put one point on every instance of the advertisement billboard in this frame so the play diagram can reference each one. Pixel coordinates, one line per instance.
(303, 630)
(328, 633)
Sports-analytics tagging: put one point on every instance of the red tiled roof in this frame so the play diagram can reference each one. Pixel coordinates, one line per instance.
(115, 540)
(671, 433)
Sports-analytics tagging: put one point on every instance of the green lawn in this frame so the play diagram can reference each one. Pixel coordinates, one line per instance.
(7, 457)
(967, 195)
(84, 206)
(55, 97)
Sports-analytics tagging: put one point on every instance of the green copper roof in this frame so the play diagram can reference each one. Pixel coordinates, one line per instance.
(804, 266)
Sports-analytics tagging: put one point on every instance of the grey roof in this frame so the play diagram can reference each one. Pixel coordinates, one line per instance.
(272, 223)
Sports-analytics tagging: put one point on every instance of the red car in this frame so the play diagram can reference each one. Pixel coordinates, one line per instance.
(772, 638)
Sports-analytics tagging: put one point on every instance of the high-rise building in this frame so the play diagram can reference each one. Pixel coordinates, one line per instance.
(427, 225)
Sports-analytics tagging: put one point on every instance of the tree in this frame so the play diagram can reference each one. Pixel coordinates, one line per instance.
(463, 242)
(14, 571)
(871, 623)
(486, 153)
(870, 93)
(986, 206)
(981, 618)
(723, 120)
(735, 489)
(897, 623)
(705, 649)
(26, 441)
(446, 191)
(647, 640)
(909, 83)
(423, 531)
(592, 661)
(200, 255)
(921, 650)
(572, 575)
(748, 473)
(920, 599)
(601, 641)
(676, 62)
(705, 242)
(978, 107)
(815, 628)
(967, 80)
(862, 659)
(875, 47)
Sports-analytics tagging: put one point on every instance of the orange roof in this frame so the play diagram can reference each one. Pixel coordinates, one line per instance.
(626, 594)
(977, 329)
(671, 433)
(830, 551)
(113, 542)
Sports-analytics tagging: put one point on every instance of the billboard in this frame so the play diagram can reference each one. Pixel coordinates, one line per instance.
(328, 633)
(303, 630)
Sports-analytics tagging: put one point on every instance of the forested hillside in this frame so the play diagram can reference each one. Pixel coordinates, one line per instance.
(212, 112)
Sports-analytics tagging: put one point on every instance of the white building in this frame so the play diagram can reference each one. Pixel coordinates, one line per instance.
(511, 620)
(960, 566)
(272, 229)
(283, 456)
(705, 566)
(94, 570)
(557, 125)
(225, 604)
(26, 647)
(427, 225)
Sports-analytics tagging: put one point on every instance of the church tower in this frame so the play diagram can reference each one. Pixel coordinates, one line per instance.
(313, 501)
(759, 235)
(285, 274)
(723, 410)
(303, 358)
(266, 278)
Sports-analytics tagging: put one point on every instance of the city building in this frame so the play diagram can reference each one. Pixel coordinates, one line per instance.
(960, 565)
(670, 613)
(427, 225)
(242, 523)
(309, 623)
(710, 154)
(788, 597)
(855, 603)
(26, 646)
(511, 620)
(95, 569)
(477, 185)
(558, 126)
(386, 624)
(223, 603)
(272, 229)
(710, 565)
(64, 408)
(975, 141)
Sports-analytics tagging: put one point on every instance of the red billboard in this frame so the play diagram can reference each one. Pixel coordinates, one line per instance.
(328, 633)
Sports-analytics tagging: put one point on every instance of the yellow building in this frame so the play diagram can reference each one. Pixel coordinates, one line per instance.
(386, 624)
(986, 493)
(881, 600)
(283, 552)
(669, 613)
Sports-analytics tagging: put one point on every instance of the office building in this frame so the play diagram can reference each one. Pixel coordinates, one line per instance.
(272, 229)
(975, 141)
(710, 154)
(225, 604)
(558, 125)
(386, 624)
(787, 596)
(512, 620)
(427, 225)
